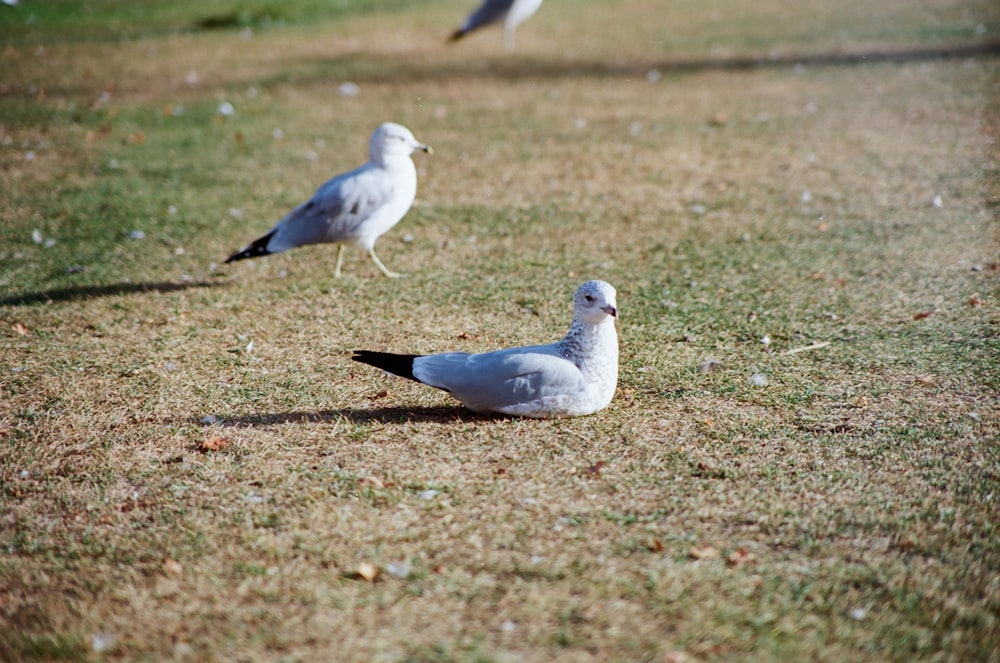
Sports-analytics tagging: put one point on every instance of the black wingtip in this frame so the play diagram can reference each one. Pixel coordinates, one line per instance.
(255, 249)
(401, 365)
(456, 35)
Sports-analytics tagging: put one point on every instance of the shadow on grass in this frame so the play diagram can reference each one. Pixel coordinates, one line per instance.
(385, 415)
(86, 291)
(382, 68)
(379, 68)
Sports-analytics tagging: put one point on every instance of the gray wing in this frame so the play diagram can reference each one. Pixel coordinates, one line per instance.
(336, 210)
(502, 381)
(489, 12)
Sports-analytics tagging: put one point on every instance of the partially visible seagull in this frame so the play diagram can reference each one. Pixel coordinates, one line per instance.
(576, 376)
(356, 207)
(511, 12)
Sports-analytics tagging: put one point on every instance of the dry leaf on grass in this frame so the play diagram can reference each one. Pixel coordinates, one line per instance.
(703, 553)
(711, 365)
(739, 556)
(654, 545)
(214, 443)
(379, 395)
(172, 567)
(366, 570)
(923, 315)
(974, 300)
(372, 481)
(19, 328)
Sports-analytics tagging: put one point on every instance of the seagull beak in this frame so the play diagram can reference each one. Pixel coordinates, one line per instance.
(610, 310)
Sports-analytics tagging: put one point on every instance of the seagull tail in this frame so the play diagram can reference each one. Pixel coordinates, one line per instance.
(401, 365)
(255, 249)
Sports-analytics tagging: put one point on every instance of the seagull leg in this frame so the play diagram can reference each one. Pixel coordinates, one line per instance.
(340, 259)
(378, 263)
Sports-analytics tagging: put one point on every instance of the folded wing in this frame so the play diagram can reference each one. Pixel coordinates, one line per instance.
(515, 381)
(336, 210)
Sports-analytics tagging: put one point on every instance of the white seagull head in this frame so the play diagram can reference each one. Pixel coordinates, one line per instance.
(394, 140)
(594, 303)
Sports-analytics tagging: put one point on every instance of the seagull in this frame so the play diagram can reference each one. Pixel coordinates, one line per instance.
(575, 376)
(356, 207)
(511, 12)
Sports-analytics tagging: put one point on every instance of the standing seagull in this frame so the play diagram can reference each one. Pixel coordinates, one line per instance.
(576, 376)
(511, 12)
(356, 207)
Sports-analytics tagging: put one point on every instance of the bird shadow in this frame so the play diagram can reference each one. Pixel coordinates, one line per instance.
(74, 293)
(384, 415)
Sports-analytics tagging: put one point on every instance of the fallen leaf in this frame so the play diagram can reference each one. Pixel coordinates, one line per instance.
(173, 567)
(381, 394)
(711, 365)
(739, 556)
(367, 570)
(595, 469)
(372, 481)
(719, 119)
(19, 328)
(655, 545)
(974, 300)
(214, 443)
(465, 336)
(923, 314)
(924, 380)
(707, 552)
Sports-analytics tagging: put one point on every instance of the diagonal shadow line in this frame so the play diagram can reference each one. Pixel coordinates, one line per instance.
(85, 291)
(385, 415)
(379, 68)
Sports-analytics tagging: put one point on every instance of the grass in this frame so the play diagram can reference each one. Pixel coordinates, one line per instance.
(738, 172)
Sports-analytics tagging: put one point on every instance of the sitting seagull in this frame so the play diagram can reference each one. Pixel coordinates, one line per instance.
(511, 12)
(576, 376)
(356, 207)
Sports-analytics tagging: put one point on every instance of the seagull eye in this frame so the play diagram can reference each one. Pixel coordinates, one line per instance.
(588, 298)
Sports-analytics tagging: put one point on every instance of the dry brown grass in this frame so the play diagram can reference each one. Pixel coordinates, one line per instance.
(845, 511)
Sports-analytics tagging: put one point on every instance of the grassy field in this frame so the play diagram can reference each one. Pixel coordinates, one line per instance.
(191, 468)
